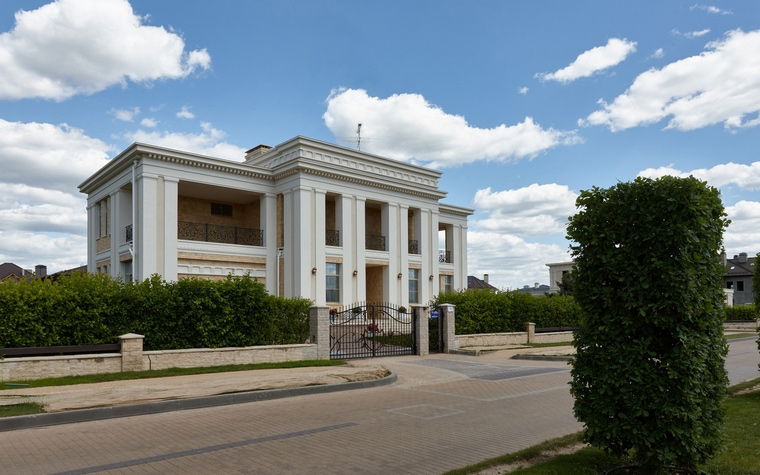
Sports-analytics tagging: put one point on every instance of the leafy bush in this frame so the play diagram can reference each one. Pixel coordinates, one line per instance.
(741, 312)
(91, 309)
(482, 311)
(649, 372)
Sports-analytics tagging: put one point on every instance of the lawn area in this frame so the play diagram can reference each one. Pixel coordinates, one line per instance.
(740, 457)
(23, 409)
(162, 373)
(734, 336)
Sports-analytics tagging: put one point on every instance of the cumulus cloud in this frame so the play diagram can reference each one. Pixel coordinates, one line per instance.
(691, 34)
(149, 122)
(71, 47)
(743, 234)
(523, 90)
(509, 260)
(721, 85)
(659, 53)
(711, 9)
(741, 175)
(408, 127)
(126, 115)
(57, 252)
(185, 113)
(208, 142)
(535, 210)
(593, 61)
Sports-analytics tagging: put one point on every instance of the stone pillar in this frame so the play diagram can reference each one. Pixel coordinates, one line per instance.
(447, 313)
(131, 352)
(319, 329)
(421, 317)
(530, 329)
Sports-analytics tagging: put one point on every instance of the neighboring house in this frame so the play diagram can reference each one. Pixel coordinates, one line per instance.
(305, 218)
(10, 272)
(537, 290)
(739, 272)
(556, 271)
(473, 283)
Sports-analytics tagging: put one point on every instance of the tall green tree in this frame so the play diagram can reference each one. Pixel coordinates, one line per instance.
(649, 373)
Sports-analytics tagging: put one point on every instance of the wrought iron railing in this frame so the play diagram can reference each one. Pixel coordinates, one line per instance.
(368, 330)
(128, 233)
(375, 243)
(444, 257)
(332, 237)
(414, 246)
(221, 234)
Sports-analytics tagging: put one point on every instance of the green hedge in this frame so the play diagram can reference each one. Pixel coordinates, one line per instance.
(741, 312)
(482, 311)
(86, 309)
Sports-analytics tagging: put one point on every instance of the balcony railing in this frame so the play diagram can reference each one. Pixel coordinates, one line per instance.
(332, 237)
(128, 233)
(414, 246)
(375, 243)
(444, 257)
(221, 234)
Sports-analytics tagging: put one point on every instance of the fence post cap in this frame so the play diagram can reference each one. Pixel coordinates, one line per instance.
(130, 336)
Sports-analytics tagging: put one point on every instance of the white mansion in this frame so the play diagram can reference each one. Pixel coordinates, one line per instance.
(306, 218)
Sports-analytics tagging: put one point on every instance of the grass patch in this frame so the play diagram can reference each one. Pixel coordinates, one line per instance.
(22, 409)
(162, 373)
(740, 456)
(733, 336)
(549, 345)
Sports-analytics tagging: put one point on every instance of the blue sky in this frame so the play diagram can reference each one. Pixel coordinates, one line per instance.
(521, 104)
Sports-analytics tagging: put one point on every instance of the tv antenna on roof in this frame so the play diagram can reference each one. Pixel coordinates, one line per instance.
(359, 136)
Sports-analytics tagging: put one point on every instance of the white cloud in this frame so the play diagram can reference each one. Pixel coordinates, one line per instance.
(592, 61)
(185, 113)
(126, 115)
(659, 53)
(691, 34)
(535, 210)
(743, 176)
(209, 142)
(407, 127)
(509, 260)
(523, 90)
(71, 47)
(149, 122)
(743, 234)
(720, 85)
(58, 252)
(56, 157)
(711, 9)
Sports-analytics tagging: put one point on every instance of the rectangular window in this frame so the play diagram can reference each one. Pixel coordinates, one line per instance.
(219, 209)
(414, 286)
(740, 286)
(332, 272)
(447, 283)
(729, 285)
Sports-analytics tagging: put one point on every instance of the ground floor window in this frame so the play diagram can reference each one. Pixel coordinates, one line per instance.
(447, 283)
(414, 286)
(332, 272)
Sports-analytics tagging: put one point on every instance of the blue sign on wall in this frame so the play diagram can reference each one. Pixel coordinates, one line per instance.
(434, 314)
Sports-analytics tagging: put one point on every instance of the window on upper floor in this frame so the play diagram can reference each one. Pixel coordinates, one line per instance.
(729, 285)
(219, 209)
(740, 286)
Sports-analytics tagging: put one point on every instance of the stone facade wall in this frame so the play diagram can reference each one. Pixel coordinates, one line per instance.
(492, 339)
(19, 369)
(198, 210)
(201, 357)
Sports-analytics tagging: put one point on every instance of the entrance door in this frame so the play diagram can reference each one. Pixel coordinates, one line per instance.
(369, 330)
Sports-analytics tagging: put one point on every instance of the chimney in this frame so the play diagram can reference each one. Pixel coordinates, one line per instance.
(743, 257)
(40, 271)
(257, 151)
(485, 278)
(536, 285)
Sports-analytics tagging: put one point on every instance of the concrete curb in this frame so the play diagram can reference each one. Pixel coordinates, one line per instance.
(100, 413)
(543, 357)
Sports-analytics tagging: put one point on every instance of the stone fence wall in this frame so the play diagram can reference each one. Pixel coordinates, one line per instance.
(529, 336)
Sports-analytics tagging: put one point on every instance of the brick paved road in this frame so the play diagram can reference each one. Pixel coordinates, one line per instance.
(446, 411)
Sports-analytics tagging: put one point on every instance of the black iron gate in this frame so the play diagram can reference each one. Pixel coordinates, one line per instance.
(369, 330)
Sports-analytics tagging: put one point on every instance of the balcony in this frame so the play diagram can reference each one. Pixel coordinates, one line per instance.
(220, 234)
(414, 246)
(332, 237)
(444, 257)
(375, 243)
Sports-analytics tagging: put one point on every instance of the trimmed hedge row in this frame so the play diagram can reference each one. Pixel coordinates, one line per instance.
(481, 311)
(741, 312)
(87, 309)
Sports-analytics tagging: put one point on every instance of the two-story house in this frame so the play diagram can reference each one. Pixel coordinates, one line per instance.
(306, 218)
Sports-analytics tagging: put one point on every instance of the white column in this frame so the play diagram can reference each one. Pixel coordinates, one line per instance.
(92, 235)
(360, 242)
(146, 227)
(301, 232)
(430, 267)
(170, 210)
(403, 252)
(460, 274)
(268, 222)
(288, 242)
(343, 219)
(391, 232)
(319, 284)
(113, 213)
